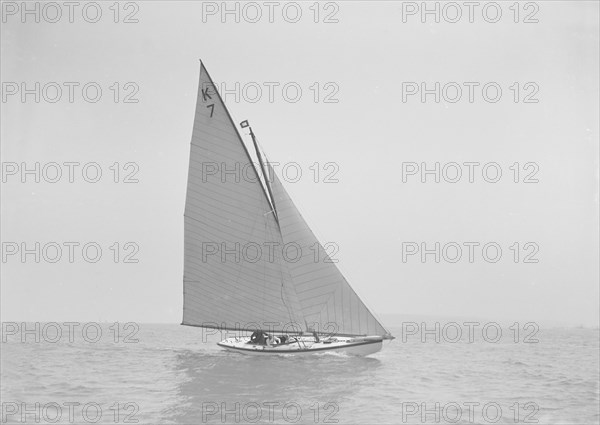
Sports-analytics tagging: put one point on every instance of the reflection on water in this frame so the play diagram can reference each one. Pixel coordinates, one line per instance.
(218, 386)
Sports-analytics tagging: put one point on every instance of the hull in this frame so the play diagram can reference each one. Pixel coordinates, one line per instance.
(304, 346)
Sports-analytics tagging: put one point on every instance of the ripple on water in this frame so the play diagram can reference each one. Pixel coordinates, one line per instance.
(171, 376)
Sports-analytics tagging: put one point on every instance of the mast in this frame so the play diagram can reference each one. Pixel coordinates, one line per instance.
(245, 124)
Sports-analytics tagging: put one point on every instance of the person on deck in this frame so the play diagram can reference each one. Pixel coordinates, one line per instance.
(272, 340)
(258, 337)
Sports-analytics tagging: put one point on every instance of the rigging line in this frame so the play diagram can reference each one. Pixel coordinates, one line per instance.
(295, 289)
(281, 292)
(280, 234)
(270, 197)
(282, 279)
(264, 275)
(260, 152)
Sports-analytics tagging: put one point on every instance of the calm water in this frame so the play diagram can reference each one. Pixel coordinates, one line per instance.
(171, 376)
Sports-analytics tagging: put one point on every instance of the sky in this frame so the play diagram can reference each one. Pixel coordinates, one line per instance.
(360, 116)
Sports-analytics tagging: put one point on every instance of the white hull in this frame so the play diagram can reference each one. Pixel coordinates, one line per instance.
(361, 346)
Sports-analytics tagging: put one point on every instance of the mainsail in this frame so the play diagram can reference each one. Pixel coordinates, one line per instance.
(236, 271)
(229, 223)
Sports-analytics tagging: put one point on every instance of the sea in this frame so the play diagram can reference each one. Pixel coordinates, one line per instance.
(69, 372)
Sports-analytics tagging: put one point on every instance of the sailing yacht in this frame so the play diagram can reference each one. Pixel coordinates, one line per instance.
(251, 262)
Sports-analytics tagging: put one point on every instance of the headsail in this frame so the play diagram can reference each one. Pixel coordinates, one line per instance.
(236, 271)
(325, 296)
(232, 278)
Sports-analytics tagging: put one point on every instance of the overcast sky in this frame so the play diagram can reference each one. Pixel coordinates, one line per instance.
(370, 58)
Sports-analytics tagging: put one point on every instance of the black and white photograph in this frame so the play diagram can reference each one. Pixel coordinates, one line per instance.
(300, 212)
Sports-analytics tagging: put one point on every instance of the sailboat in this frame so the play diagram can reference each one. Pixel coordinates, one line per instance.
(252, 264)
